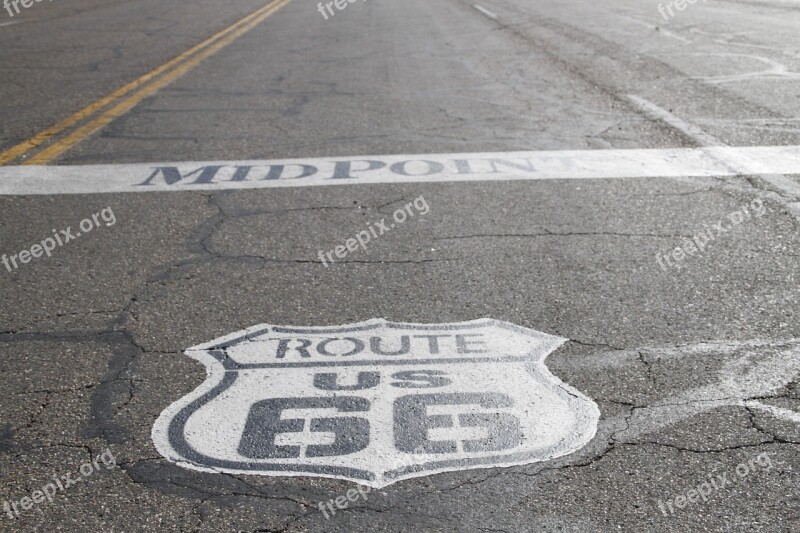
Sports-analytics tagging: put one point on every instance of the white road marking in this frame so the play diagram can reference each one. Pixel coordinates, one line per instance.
(778, 412)
(710, 161)
(659, 114)
(375, 402)
(658, 29)
(777, 125)
(3, 24)
(485, 11)
(738, 160)
(728, 40)
(776, 70)
(754, 369)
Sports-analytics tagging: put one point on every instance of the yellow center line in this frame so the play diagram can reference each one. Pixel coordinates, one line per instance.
(181, 64)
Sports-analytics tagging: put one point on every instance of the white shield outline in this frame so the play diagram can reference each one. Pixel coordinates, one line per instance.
(222, 372)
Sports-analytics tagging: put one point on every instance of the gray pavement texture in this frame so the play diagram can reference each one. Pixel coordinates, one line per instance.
(695, 368)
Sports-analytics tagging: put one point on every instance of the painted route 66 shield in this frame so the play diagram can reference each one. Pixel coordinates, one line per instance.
(375, 402)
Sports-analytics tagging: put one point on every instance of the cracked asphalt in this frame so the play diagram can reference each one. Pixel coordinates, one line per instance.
(695, 368)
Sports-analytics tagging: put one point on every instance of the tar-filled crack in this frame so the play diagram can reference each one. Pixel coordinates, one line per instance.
(234, 213)
(649, 368)
(260, 493)
(292, 519)
(117, 382)
(200, 243)
(774, 438)
(617, 402)
(253, 492)
(405, 199)
(752, 419)
(732, 401)
(88, 312)
(400, 508)
(687, 193)
(41, 409)
(68, 336)
(398, 261)
(82, 388)
(612, 439)
(140, 461)
(687, 449)
(206, 230)
(596, 344)
(548, 233)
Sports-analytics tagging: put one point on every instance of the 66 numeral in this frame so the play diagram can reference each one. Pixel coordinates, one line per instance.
(351, 433)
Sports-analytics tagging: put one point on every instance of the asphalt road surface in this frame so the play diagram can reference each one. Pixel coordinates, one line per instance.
(621, 176)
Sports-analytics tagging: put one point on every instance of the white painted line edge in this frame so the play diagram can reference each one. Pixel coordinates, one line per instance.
(657, 113)
(426, 168)
(485, 11)
(738, 161)
(3, 24)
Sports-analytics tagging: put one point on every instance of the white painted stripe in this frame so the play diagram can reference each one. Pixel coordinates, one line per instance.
(657, 113)
(738, 161)
(785, 184)
(749, 369)
(426, 168)
(3, 24)
(485, 11)
(778, 412)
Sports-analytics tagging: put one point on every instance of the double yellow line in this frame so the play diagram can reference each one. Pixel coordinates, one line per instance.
(121, 101)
